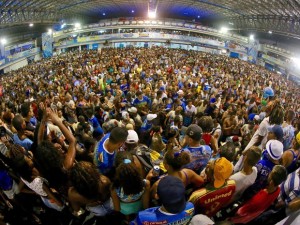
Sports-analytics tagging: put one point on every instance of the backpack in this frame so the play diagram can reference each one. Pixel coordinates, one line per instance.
(143, 153)
(147, 157)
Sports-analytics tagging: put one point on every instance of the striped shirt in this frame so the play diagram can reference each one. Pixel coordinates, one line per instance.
(290, 188)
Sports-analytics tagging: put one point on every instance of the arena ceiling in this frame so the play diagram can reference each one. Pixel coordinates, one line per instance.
(279, 16)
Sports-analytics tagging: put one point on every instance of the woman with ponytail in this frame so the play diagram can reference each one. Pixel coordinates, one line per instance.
(130, 192)
(174, 159)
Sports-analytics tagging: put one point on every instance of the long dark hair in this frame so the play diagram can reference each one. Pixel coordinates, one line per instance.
(85, 179)
(50, 163)
(176, 158)
(128, 178)
(277, 113)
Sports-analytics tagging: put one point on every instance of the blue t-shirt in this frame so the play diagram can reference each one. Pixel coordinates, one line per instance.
(199, 158)
(6, 181)
(102, 158)
(141, 103)
(155, 216)
(94, 122)
(25, 143)
(124, 88)
(145, 126)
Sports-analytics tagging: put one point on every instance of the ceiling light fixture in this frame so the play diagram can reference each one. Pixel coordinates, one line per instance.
(224, 30)
(77, 25)
(152, 14)
(3, 41)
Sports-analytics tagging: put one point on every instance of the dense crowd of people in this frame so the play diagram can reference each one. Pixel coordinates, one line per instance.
(148, 136)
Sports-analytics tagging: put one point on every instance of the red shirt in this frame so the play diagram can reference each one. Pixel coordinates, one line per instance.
(255, 206)
(206, 137)
(210, 201)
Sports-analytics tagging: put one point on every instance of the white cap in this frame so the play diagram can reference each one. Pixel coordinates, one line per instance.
(151, 117)
(256, 117)
(274, 149)
(132, 110)
(180, 92)
(125, 115)
(132, 137)
(201, 220)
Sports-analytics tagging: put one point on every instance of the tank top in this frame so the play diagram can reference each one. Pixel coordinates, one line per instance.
(207, 138)
(129, 198)
(293, 166)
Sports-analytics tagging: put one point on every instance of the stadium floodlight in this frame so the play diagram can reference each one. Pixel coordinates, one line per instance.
(31, 24)
(270, 32)
(49, 31)
(251, 37)
(152, 14)
(3, 41)
(296, 61)
(132, 11)
(224, 30)
(77, 25)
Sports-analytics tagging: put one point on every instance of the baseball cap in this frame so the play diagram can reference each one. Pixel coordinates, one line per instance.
(180, 92)
(151, 117)
(194, 132)
(222, 171)
(298, 137)
(268, 92)
(171, 193)
(236, 138)
(132, 137)
(132, 110)
(256, 117)
(201, 220)
(251, 116)
(274, 149)
(124, 115)
(206, 88)
(212, 100)
(277, 130)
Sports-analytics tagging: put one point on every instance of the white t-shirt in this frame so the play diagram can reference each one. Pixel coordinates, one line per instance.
(261, 131)
(242, 182)
(190, 110)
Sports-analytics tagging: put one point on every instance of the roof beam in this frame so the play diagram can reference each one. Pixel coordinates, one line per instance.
(283, 25)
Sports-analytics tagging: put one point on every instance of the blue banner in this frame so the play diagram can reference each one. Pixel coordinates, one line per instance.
(2, 51)
(253, 51)
(95, 46)
(47, 41)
